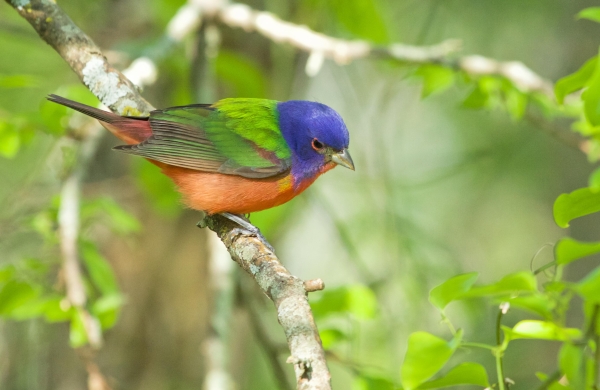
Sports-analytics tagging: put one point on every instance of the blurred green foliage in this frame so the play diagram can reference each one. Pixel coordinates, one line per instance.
(392, 250)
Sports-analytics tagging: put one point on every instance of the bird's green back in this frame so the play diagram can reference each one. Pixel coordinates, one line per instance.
(237, 121)
(233, 136)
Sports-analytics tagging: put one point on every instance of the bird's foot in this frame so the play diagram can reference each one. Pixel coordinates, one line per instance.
(248, 228)
(242, 221)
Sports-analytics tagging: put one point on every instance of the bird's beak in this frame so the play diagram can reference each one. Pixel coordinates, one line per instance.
(343, 158)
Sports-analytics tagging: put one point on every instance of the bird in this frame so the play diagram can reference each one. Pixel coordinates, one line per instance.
(236, 156)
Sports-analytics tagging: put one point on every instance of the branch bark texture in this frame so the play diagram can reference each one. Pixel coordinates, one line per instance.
(289, 296)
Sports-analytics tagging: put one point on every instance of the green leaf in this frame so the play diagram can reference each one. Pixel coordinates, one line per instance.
(453, 288)
(54, 312)
(30, 309)
(361, 302)
(591, 98)
(425, 356)
(568, 250)
(589, 287)
(330, 337)
(572, 364)
(463, 374)
(436, 78)
(510, 284)
(537, 303)
(584, 128)
(107, 309)
(358, 300)
(542, 330)
(575, 81)
(15, 294)
(77, 334)
(476, 99)
(577, 204)
(9, 140)
(516, 102)
(555, 286)
(592, 13)
(594, 180)
(7, 272)
(99, 269)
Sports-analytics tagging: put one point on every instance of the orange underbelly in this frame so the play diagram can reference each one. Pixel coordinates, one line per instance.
(217, 193)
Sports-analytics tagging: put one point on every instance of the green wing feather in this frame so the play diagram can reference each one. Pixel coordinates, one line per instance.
(233, 136)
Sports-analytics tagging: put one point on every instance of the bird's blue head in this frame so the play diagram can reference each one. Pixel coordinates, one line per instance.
(316, 134)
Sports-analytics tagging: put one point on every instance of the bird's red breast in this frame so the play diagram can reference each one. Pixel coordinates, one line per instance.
(217, 193)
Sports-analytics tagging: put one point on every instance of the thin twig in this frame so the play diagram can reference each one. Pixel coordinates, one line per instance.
(68, 222)
(502, 381)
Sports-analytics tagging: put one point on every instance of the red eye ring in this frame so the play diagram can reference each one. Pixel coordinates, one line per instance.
(317, 145)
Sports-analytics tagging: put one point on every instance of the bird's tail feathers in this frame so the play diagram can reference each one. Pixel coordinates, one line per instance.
(129, 129)
(101, 115)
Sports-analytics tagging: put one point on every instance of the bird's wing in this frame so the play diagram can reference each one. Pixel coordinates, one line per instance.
(244, 140)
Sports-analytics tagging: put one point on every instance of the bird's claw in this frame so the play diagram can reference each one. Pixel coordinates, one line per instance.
(246, 228)
(240, 220)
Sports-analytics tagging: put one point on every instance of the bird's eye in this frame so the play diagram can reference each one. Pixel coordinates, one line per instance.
(317, 145)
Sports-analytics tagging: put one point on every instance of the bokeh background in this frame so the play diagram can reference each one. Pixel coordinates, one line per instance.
(439, 189)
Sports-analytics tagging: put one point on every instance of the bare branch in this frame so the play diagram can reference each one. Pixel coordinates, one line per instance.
(289, 296)
(518, 73)
(314, 285)
(322, 46)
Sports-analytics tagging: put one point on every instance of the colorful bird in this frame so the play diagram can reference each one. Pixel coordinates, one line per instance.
(236, 156)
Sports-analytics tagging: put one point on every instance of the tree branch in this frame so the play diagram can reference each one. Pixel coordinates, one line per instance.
(322, 46)
(289, 296)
